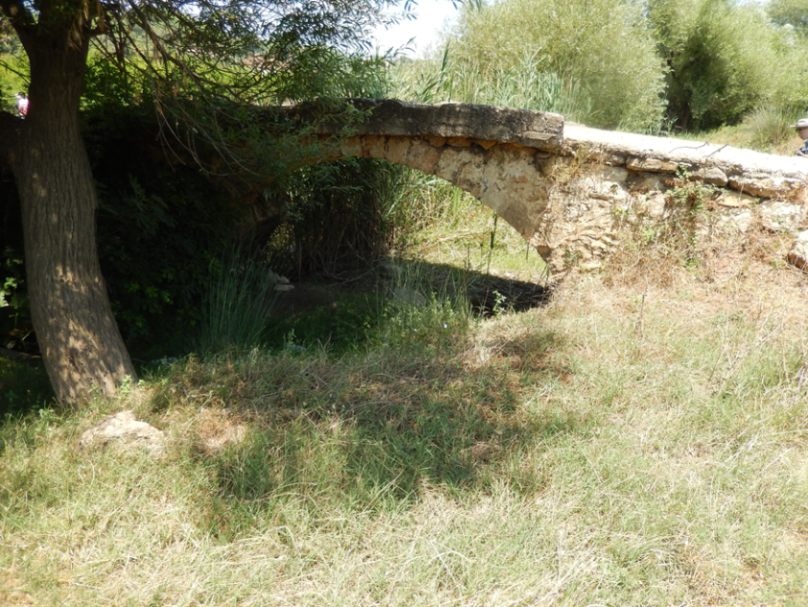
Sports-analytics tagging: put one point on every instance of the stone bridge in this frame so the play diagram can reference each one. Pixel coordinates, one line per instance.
(565, 188)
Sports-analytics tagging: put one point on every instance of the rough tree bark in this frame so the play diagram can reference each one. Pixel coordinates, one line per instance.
(81, 345)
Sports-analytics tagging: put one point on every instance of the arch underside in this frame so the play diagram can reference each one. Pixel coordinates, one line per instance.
(508, 178)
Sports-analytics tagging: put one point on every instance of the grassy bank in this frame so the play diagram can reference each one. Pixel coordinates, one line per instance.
(633, 441)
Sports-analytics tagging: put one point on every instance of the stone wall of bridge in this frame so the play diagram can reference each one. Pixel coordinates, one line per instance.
(594, 202)
(604, 182)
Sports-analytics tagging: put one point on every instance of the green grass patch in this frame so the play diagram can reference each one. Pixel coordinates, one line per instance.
(342, 326)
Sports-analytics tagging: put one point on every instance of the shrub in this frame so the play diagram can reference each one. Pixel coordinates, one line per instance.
(594, 56)
(770, 127)
(725, 61)
(159, 225)
(335, 215)
(789, 12)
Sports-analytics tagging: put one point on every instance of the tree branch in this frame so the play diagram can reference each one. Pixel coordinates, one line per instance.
(20, 18)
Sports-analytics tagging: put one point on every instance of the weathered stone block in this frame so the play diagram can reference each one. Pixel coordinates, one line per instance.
(735, 200)
(422, 156)
(652, 165)
(398, 149)
(765, 187)
(615, 174)
(798, 255)
(711, 176)
(459, 142)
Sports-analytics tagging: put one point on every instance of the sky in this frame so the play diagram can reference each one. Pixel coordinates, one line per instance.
(425, 29)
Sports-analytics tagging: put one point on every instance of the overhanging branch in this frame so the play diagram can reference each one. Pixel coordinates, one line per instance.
(20, 18)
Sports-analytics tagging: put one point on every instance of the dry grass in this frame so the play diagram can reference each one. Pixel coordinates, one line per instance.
(641, 440)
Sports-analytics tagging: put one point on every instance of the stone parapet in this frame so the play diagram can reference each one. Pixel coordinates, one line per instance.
(755, 173)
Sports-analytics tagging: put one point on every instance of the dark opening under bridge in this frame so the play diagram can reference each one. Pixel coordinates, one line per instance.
(557, 184)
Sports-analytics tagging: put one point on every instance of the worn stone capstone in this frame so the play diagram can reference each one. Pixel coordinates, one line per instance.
(541, 130)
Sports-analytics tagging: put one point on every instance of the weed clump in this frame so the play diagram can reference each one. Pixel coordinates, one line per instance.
(653, 250)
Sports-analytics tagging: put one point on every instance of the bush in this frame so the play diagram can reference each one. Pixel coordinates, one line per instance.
(725, 60)
(789, 12)
(159, 225)
(335, 216)
(770, 127)
(597, 62)
(13, 67)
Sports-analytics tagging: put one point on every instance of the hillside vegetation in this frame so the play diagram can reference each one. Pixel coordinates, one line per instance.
(649, 67)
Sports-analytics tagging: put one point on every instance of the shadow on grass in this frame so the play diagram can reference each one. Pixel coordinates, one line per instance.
(345, 324)
(375, 432)
(347, 315)
(379, 398)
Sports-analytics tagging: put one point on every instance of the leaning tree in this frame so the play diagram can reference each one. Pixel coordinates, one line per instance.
(201, 62)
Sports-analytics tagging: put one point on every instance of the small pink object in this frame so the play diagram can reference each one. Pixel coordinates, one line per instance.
(22, 105)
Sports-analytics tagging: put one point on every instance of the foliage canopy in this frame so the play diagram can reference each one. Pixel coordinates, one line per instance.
(631, 65)
(789, 12)
(204, 65)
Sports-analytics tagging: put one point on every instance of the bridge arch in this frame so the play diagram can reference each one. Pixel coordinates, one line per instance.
(508, 178)
(509, 159)
(498, 155)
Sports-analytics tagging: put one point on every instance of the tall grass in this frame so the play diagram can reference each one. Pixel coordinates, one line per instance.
(766, 129)
(559, 457)
(590, 59)
(637, 441)
(427, 302)
(236, 307)
(527, 85)
(770, 127)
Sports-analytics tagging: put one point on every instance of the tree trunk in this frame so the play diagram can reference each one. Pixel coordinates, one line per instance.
(81, 345)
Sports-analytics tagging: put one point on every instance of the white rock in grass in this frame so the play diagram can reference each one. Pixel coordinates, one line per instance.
(277, 278)
(123, 430)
